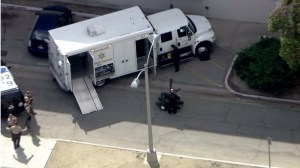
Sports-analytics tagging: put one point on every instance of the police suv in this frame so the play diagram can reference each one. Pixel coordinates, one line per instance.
(12, 99)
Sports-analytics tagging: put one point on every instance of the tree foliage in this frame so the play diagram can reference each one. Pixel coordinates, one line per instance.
(262, 68)
(286, 20)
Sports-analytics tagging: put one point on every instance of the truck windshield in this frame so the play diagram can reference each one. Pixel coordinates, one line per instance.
(192, 25)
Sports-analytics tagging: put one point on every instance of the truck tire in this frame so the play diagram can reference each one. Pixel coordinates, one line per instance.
(101, 83)
(203, 51)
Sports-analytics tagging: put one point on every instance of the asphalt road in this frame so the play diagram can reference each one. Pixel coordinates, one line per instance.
(211, 124)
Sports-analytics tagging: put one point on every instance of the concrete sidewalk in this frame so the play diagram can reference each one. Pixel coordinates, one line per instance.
(32, 153)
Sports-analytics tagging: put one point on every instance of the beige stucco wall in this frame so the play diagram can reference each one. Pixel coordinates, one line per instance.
(244, 10)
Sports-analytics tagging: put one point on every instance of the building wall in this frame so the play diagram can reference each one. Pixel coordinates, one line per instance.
(242, 10)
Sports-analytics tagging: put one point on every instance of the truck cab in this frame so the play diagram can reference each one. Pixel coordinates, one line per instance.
(12, 99)
(192, 34)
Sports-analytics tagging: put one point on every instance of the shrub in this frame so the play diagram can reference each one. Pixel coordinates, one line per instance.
(262, 68)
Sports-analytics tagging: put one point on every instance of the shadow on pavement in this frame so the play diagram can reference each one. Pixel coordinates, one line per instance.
(21, 156)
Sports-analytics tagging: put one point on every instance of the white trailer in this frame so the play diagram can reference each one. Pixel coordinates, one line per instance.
(105, 47)
(91, 51)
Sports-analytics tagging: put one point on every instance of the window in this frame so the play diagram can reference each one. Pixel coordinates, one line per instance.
(166, 37)
(182, 32)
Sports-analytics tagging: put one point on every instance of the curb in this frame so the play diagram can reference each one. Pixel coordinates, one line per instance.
(234, 92)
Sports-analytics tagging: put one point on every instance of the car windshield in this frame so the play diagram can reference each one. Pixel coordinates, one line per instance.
(40, 35)
(192, 25)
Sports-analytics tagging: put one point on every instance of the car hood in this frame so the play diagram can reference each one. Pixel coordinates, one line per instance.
(202, 24)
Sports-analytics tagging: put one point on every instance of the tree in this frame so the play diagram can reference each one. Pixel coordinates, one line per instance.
(286, 20)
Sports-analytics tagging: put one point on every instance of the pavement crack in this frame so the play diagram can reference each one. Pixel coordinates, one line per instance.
(227, 112)
(258, 152)
(161, 136)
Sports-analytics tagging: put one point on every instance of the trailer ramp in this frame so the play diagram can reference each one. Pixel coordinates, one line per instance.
(86, 95)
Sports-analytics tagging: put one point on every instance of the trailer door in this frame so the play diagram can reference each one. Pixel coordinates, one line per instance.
(119, 58)
(125, 57)
(68, 77)
(91, 69)
(130, 56)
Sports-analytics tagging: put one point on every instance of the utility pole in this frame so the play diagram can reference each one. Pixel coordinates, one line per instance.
(269, 150)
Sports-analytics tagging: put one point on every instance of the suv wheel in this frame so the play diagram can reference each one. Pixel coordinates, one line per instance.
(203, 51)
(101, 83)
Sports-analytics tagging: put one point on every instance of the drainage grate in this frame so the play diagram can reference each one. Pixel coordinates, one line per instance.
(3, 53)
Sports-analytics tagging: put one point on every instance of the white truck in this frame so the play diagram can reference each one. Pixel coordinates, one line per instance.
(92, 51)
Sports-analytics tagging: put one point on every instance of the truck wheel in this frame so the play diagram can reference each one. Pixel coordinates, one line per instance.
(101, 83)
(203, 51)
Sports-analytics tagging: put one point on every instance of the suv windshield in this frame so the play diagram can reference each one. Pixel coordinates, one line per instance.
(192, 25)
(40, 35)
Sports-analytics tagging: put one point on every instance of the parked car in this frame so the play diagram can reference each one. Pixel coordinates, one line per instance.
(48, 18)
(12, 99)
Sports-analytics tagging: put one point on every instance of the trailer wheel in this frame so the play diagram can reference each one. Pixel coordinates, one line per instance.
(203, 51)
(101, 83)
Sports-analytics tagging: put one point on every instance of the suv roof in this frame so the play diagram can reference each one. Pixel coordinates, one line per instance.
(7, 80)
(49, 17)
(46, 21)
